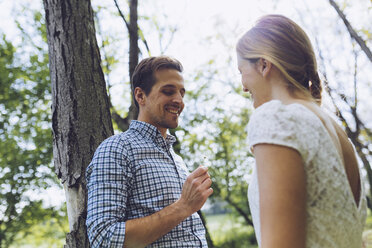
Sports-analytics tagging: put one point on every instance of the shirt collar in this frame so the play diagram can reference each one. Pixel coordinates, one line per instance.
(151, 132)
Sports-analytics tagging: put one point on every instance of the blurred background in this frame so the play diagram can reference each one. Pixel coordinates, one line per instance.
(202, 35)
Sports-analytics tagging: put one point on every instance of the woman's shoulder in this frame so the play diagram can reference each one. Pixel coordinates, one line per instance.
(292, 125)
(276, 111)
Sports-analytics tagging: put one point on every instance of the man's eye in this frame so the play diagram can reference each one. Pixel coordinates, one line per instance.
(168, 93)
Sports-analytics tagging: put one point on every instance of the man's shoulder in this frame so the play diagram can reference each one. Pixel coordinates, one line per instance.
(116, 139)
(125, 140)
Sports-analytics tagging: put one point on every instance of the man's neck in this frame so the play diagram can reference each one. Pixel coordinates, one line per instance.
(162, 130)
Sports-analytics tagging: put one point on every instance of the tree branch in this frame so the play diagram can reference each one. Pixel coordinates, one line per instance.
(130, 30)
(123, 17)
(240, 211)
(234, 205)
(353, 135)
(352, 32)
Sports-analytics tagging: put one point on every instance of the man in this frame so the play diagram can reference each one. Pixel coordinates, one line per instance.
(139, 193)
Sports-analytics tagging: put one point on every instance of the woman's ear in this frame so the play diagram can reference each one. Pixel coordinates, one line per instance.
(140, 96)
(264, 67)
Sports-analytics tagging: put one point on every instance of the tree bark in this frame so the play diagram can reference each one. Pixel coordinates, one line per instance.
(80, 109)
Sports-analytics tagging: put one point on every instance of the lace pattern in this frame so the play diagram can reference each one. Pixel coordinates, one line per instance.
(333, 218)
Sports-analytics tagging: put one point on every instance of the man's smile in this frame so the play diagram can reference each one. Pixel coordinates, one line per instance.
(173, 110)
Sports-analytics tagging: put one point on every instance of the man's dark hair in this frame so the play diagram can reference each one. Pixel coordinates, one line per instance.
(144, 73)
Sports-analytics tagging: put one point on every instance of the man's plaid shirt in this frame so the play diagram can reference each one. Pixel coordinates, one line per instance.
(132, 175)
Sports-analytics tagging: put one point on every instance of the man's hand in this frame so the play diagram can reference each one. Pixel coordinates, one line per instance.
(195, 191)
(143, 231)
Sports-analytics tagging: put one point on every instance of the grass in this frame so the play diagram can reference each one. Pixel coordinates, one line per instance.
(367, 234)
(228, 231)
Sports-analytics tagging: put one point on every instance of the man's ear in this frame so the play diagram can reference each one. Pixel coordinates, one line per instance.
(264, 67)
(140, 96)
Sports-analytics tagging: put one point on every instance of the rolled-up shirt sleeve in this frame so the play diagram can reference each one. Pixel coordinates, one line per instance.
(107, 177)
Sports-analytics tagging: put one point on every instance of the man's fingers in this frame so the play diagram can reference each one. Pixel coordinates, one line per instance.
(197, 189)
(209, 192)
(207, 183)
(200, 179)
(199, 171)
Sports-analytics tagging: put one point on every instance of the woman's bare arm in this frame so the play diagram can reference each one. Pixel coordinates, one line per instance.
(282, 190)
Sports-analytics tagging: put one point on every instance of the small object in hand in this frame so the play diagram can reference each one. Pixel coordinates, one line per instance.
(206, 162)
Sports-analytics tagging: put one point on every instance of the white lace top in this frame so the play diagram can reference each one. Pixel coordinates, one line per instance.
(333, 218)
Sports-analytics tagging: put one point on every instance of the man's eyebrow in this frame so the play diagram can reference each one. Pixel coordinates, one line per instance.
(171, 86)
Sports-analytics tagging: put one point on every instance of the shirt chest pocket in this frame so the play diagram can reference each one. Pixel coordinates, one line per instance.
(158, 181)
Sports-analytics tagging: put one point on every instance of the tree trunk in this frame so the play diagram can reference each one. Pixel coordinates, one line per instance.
(132, 26)
(80, 109)
(207, 234)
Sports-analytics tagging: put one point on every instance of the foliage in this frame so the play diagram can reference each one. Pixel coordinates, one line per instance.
(229, 231)
(214, 134)
(367, 234)
(346, 70)
(25, 136)
(49, 230)
(212, 125)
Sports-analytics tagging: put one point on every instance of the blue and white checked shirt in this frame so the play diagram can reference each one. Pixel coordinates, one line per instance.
(132, 175)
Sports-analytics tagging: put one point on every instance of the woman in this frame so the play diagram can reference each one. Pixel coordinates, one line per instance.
(306, 189)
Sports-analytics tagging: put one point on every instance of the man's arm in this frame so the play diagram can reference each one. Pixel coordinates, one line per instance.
(143, 231)
(108, 182)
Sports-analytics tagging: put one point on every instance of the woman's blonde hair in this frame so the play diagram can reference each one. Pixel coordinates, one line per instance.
(281, 41)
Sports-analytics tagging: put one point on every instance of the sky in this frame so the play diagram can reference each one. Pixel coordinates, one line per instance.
(207, 29)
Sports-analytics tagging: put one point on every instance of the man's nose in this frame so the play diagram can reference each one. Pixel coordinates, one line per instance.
(178, 98)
